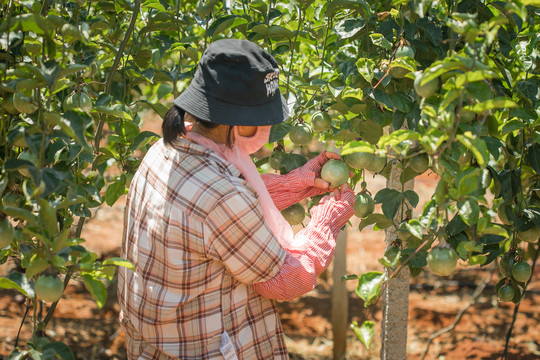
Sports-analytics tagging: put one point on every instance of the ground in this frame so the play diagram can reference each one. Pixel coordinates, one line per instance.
(434, 301)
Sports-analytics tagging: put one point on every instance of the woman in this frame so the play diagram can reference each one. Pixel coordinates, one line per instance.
(203, 228)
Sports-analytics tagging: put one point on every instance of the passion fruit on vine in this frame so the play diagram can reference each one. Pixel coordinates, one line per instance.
(364, 205)
(442, 260)
(321, 121)
(301, 134)
(294, 214)
(335, 172)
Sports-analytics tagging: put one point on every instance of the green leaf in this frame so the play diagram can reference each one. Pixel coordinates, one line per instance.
(348, 28)
(115, 190)
(6, 283)
(380, 221)
(497, 103)
(19, 213)
(356, 147)
(365, 332)
(412, 197)
(96, 289)
(401, 101)
(55, 350)
(467, 181)
(469, 210)
(415, 228)
(533, 154)
(142, 139)
(473, 76)
(289, 162)
(365, 68)
(380, 40)
(279, 131)
(223, 23)
(476, 145)
(369, 287)
(116, 261)
(391, 200)
(511, 126)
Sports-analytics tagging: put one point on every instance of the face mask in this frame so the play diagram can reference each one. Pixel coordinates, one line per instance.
(253, 143)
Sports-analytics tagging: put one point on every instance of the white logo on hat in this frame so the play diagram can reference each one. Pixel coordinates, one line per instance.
(272, 82)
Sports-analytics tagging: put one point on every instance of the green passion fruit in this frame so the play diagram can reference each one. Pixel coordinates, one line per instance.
(404, 51)
(321, 121)
(49, 288)
(442, 260)
(359, 160)
(301, 134)
(419, 163)
(294, 214)
(521, 271)
(530, 235)
(428, 89)
(335, 172)
(275, 158)
(506, 293)
(377, 164)
(364, 205)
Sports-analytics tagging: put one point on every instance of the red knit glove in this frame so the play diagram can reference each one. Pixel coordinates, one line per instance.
(334, 210)
(300, 183)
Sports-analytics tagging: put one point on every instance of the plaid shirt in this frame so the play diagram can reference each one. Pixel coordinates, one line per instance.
(196, 234)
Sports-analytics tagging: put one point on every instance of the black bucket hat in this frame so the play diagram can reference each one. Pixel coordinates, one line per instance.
(236, 83)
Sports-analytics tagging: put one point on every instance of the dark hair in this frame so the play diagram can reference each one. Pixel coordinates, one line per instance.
(173, 125)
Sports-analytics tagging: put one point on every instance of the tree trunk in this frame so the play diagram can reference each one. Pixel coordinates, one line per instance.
(395, 299)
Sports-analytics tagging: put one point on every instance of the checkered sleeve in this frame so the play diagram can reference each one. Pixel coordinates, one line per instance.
(241, 240)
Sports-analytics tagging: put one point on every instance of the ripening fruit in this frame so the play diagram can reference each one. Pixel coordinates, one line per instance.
(321, 121)
(530, 235)
(6, 233)
(428, 89)
(405, 51)
(377, 164)
(506, 293)
(78, 101)
(49, 288)
(521, 271)
(294, 214)
(442, 260)
(335, 172)
(301, 134)
(419, 163)
(359, 160)
(364, 205)
(274, 159)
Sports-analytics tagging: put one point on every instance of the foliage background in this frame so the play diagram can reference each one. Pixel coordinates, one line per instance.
(77, 76)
